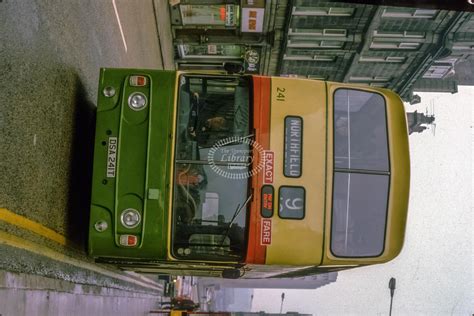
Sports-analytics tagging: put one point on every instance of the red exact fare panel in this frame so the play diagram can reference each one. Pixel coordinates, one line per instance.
(260, 227)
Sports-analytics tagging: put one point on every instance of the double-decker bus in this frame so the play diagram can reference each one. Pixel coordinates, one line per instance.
(246, 176)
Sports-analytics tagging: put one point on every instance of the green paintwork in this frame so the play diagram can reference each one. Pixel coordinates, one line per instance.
(142, 170)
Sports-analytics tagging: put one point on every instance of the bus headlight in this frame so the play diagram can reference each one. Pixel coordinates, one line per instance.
(137, 101)
(130, 218)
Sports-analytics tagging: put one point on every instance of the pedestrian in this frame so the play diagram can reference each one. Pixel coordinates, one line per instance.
(184, 304)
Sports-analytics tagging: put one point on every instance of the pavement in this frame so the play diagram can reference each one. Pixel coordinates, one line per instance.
(165, 35)
(30, 295)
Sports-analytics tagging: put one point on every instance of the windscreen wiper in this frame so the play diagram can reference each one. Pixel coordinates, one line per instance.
(236, 213)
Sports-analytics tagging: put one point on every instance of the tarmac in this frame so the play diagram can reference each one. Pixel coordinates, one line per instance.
(50, 56)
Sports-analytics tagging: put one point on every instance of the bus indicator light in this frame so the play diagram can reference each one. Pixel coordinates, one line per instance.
(268, 166)
(266, 237)
(138, 81)
(128, 240)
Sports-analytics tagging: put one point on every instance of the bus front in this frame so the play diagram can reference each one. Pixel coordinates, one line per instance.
(171, 186)
(132, 162)
(255, 175)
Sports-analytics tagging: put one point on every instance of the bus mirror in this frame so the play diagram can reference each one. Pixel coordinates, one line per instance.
(233, 68)
(231, 273)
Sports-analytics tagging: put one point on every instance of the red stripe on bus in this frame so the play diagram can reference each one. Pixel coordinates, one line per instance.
(256, 252)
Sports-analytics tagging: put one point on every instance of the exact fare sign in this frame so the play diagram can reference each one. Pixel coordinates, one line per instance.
(266, 234)
(269, 161)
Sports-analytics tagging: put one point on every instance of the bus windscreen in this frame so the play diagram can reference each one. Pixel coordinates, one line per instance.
(361, 174)
(209, 201)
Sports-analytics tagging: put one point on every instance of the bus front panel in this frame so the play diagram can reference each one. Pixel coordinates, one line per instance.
(132, 152)
(290, 119)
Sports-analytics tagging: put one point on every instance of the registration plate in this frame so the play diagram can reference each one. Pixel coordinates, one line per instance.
(111, 157)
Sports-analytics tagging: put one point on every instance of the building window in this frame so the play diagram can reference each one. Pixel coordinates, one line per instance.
(332, 44)
(394, 45)
(306, 32)
(311, 43)
(313, 77)
(334, 32)
(317, 32)
(292, 76)
(369, 79)
(425, 13)
(440, 70)
(309, 57)
(219, 15)
(382, 59)
(404, 45)
(293, 57)
(466, 46)
(378, 85)
(405, 34)
(317, 77)
(318, 11)
(324, 58)
(215, 51)
(395, 59)
(409, 13)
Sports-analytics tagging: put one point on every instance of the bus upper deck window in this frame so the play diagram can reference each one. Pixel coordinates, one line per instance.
(360, 130)
(359, 214)
(361, 174)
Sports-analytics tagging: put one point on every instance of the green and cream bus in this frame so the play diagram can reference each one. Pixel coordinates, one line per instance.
(246, 176)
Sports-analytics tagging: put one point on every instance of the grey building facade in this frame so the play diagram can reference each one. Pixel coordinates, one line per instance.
(403, 49)
(207, 34)
(400, 48)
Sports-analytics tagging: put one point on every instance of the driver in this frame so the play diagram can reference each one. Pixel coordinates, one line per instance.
(190, 180)
(206, 118)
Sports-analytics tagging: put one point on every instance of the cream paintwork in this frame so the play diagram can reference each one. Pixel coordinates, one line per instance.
(304, 242)
(299, 242)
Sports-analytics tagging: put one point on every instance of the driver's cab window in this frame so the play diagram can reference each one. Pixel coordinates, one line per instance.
(209, 204)
(211, 109)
